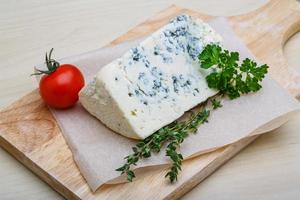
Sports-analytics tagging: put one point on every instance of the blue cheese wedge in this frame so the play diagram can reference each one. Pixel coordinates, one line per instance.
(154, 83)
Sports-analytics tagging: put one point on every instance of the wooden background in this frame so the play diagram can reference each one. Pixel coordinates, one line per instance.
(77, 26)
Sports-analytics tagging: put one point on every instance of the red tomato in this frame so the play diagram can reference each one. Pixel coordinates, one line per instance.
(60, 88)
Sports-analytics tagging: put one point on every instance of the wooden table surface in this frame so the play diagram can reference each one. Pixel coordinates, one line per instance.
(267, 169)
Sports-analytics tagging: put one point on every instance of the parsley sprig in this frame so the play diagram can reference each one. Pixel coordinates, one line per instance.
(229, 78)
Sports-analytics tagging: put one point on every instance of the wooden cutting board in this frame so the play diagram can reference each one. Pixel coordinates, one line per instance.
(30, 133)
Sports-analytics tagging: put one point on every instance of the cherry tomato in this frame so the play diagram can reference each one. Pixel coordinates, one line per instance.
(60, 85)
(60, 89)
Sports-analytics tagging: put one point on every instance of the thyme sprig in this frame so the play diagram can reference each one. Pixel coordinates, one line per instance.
(171, 135)
(229, 77)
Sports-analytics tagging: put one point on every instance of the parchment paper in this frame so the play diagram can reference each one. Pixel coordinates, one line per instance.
(98, 151)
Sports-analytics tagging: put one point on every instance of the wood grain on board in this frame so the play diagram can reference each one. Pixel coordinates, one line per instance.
(30, 133)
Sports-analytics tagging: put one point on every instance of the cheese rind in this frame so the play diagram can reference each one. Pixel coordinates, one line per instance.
(154, 83)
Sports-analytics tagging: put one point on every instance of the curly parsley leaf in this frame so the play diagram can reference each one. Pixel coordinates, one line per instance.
(230, 77)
